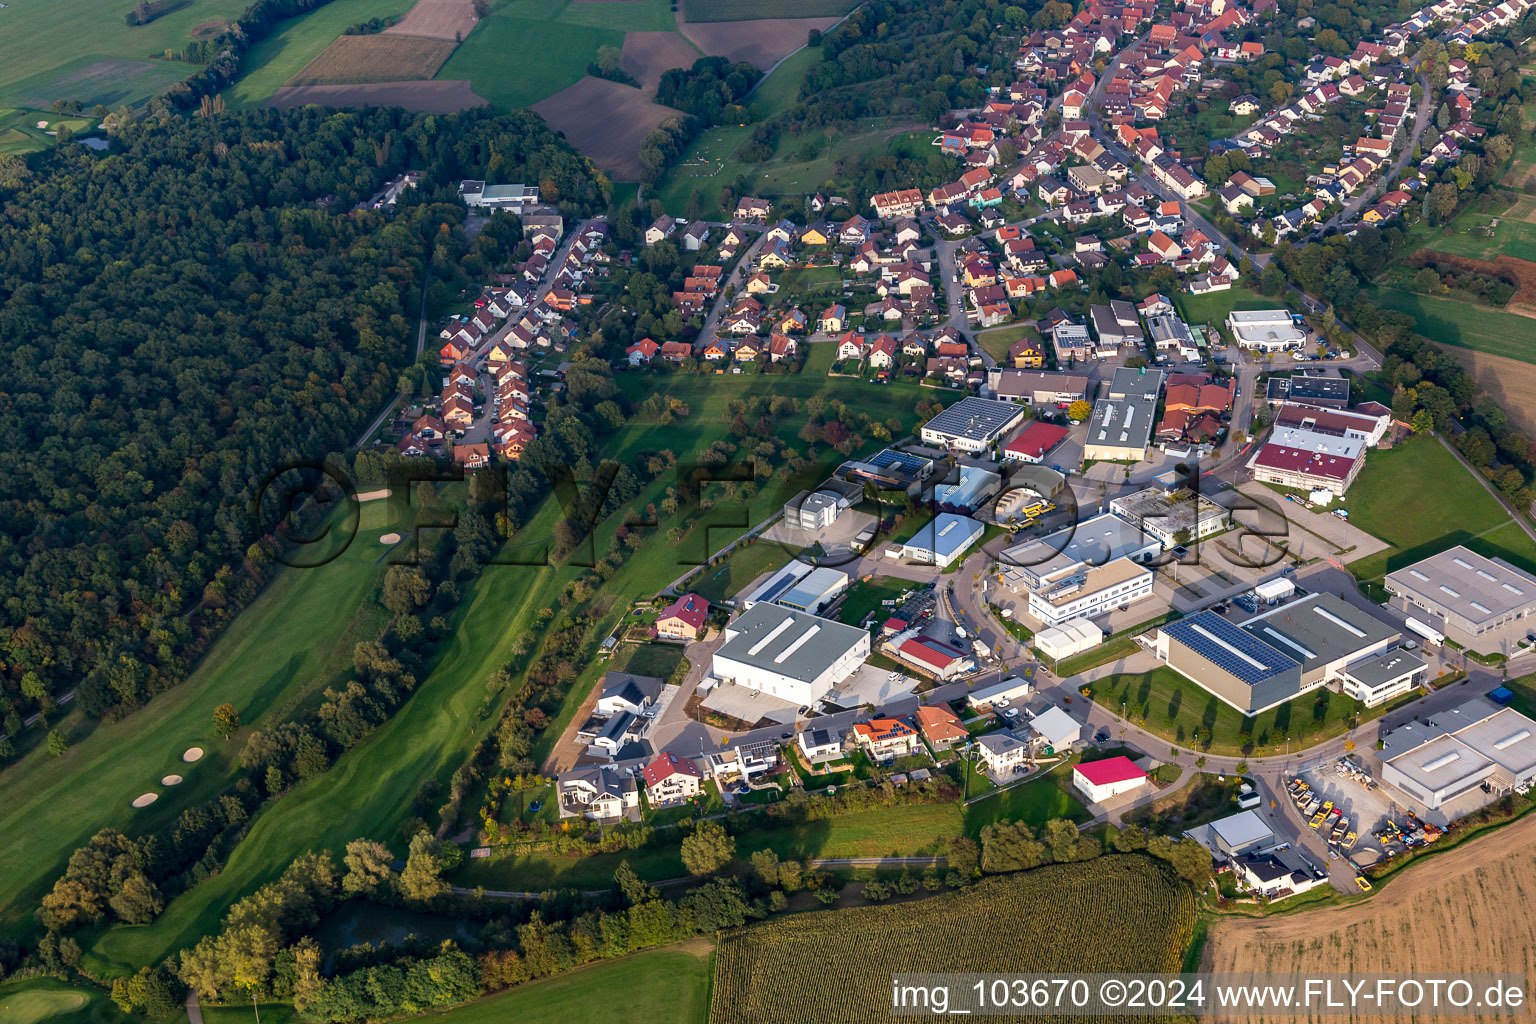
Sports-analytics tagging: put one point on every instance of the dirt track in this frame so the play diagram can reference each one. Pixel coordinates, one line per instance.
(761, 43)
(648, 54)
(439, 97)
(1469, 910)
(437, 19)
(605, 120)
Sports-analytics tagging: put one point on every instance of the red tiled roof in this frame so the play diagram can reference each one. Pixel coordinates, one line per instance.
(1036, 439)
(667, 765)
(691, 608)
(931, 652)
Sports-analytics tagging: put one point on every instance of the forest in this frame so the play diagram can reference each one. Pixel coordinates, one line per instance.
(180, 316)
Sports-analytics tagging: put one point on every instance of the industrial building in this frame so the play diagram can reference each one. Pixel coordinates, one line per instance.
(1095, 541)
(1135, 382)
(888, 469)
(1474, 596)
(1308, 460)
(1101, 780)
(1068, 638)
(799, 587)
(972, 424)
(1309, 389)
(818, 509)
(1003, 691)
(1265, 330)
(1239, 834)
(1474, 745)
(479, 195)
(1091, 591)
(1277, 654)
(1167, 515)
(788, 654)
(941, 540)
(1034, 442)
(1120, 429)
(1039, 388)
(965, 488)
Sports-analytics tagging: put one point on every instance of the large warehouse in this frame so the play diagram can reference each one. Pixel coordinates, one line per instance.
(788, 654)
(1471, 594)
(1095, 541)
(1460, 750)
(1277, 654)
(972, 424)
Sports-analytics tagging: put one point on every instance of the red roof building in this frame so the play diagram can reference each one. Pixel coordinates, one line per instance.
(934, 657)
(683, 618)
(669, 778)
(1034, 441)
(1100, 780)
(940, 726)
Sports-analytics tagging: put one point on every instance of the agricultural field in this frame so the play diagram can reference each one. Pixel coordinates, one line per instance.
(110, 81)
(40, 41)
(750, 10)
(1462, 324)
(762, 43)
(269, 64)
(292, 642)
(1125, 912)
(439, 97)
(352, 60)
(1166, 704)
(1471, 911)
(549, 56)
(607, 121)
(1512, 383)
(647, 55)
(49, 1001)
(1399, 478)
(437, 19)
(669, 985)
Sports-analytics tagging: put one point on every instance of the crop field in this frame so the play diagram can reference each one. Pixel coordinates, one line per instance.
(669, 985)
(1473, 910)
(269, 64)
(39, 38)
(351, 60)
(607, 121)
(111, 81)
(436, 97)
(751, 10)
(648, 54)
(760, 42)
(437, 19)
(1125, 913)
(517, 61)
(1462, 324)
(1397, 479)
(1511, 382)
(292, 642)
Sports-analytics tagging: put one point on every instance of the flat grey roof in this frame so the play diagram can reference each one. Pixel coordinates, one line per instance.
(1138, 382)
(1241, 829)
(1441, 763)
(1318, 629)
(1122, 422)
(1173, 511)
(1383, 668)
(788, 642)
(975, 419)
(1476, 588)
(814, 586)
(1097, 541)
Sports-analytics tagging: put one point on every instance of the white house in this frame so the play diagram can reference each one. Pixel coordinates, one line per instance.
(1001, 753)
(671, 779)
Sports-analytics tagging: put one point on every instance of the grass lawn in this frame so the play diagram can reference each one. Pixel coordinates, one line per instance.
(49, 1001)
(1399, 479)
(1120, 647)
(267, 66)
(1524, 700)
(1034, 803)
(669, 985)
(741, 567)
(19, 132)
(865, 597)
(1214, 307)
(1168, 705)
(271, 1013)
(1463, 324)
(113, 81)
(1207, 798)
(294, 640)
(997, 342)
(1467, 234)
(43, 41)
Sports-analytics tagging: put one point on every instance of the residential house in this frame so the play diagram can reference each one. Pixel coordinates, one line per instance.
(670, 779)
(940, 726)
(1002, 754)
(601, 793)
(885, 738)
(684, 618)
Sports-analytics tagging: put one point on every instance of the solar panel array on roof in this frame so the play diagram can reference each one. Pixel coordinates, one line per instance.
(901, 460)
(1230, 648)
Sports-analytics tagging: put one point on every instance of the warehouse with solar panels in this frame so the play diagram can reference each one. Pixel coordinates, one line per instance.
(1286, 651)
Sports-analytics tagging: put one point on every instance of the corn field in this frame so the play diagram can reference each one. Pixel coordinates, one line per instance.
(1115, 913)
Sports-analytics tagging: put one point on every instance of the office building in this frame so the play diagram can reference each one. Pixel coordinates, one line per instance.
(1170, 515)
(1265, 330)
(1091, 591)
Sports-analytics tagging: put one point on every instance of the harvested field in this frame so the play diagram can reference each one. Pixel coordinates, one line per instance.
(1510, 382)
(648, 54)
(352, 60)
(441, 97)
(612, 137)
(1126, 913)
(436, 19)
(761, 43)
(1521, 272)
(750, 10)
(1465, 911)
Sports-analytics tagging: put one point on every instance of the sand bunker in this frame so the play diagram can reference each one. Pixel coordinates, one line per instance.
(146, 799)
(390, 538)
(192, 754)
(171, 780)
